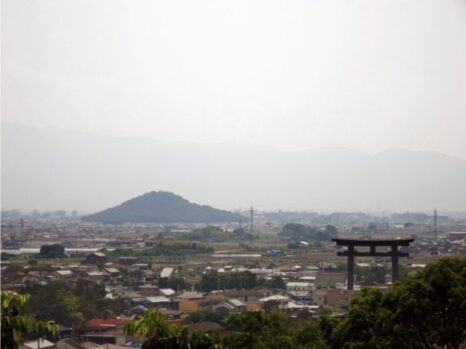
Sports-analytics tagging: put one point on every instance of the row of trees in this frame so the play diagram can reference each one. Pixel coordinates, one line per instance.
(222, 281)
(164, 248)
(299, 232)
(174, 282)
(217, 234)
(237, 280)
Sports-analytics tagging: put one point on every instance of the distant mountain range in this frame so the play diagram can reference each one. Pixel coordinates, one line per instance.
(47, 168)
(162, 207)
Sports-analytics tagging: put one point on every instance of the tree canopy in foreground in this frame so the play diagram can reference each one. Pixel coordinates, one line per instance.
(427, 310)
(15, 324)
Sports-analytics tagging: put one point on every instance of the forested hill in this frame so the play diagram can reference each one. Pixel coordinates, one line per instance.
(162, 207)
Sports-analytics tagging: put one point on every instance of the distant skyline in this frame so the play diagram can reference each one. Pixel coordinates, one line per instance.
(364, 75)
(204, 142)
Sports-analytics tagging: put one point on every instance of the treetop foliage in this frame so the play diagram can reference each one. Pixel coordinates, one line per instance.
(273, 330)
(164, 248)
(52, 251)
(217, 234)
(70, 305)
(237, 280)
(15, 323)
(161, 334)
(298, 232)
(427, 310)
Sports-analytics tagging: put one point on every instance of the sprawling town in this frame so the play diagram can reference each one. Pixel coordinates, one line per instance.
(200, 275)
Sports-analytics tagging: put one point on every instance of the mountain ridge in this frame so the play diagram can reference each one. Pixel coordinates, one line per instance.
(7, 125)
(49, 168)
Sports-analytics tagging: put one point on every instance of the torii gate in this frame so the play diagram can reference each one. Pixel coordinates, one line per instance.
(373, 244)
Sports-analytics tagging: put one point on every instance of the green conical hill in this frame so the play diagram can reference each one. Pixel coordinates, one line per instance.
(162, 207)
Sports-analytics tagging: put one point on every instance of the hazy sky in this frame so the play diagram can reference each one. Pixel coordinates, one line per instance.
(362, 74)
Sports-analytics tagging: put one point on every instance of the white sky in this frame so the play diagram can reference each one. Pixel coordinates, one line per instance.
(362, 74)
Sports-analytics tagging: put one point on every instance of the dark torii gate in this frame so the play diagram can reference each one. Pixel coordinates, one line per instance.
(351, 252)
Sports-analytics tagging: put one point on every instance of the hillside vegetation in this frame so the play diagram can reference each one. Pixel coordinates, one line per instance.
(162, 207)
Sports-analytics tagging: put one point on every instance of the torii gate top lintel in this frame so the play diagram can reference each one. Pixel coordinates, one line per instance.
(373, 242)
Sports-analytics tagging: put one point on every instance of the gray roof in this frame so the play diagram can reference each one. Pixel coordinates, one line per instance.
(158, 299)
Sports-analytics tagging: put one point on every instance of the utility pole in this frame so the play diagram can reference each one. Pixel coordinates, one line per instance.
(23, 232)
(251, 226)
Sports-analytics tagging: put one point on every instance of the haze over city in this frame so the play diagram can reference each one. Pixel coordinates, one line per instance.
(362, 76)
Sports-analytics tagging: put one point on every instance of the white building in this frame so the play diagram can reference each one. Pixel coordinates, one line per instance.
(299, 289)
(166, 272)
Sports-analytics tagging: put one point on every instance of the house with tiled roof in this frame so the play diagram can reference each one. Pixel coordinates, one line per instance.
(98, 258)
(103, 331)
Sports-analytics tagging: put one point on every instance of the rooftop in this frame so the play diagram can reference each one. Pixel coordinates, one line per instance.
(39, 343)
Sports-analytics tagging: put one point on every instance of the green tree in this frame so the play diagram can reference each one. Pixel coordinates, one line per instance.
(356, 329)
(57, 303)
(327, 324)
(426, 310)
(15, 324)
(276, 282)
(331, 230)
(52, 251)
(273, 330)
(375, 275)
(429, 309)
(71, 304)
(239, 232)
(309, 335)
(161, 334)
(298, 232)
(203, 315)
(209, 282)
(176, 283)
(236, 280)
